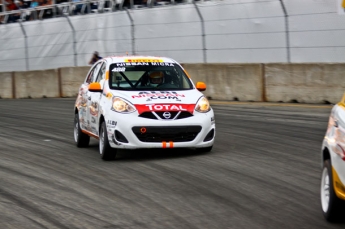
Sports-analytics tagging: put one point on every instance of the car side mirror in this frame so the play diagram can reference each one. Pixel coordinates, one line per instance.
(95, 87)
(201, 86)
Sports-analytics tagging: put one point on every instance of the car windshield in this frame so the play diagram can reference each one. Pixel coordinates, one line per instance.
(148, 76)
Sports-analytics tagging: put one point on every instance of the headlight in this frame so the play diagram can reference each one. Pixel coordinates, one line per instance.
(203, 105)
(120, 105)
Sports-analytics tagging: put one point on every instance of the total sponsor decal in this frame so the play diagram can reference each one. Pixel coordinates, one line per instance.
(165, 107)
(158, 95)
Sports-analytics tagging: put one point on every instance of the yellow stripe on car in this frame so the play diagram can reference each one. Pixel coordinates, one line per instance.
(106, 75)
(142, 60)
(339, 187)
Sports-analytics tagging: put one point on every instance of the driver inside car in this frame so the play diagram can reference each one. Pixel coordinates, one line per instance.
(156, 78)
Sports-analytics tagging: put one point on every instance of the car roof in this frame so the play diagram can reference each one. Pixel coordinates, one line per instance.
(135, 58)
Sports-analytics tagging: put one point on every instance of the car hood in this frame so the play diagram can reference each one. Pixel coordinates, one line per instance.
(161, 100)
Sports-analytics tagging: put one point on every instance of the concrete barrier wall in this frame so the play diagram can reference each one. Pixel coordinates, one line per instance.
(37, 84)
(229, 81)
(71, 79)
(304, 83)
(6, 85)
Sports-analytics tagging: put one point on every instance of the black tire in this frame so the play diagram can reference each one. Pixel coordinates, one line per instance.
(332, 207)
(205, 149)
(81, 139)
(106, 152)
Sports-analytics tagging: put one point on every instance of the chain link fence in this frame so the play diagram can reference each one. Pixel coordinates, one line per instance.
(228, 31)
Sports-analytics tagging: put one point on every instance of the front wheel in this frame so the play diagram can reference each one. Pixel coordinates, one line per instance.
(81, 139)
(106, 152)
(332, 206)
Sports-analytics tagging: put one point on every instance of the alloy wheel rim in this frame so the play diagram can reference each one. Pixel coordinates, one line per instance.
(101, 140)
(76, 128)
(325, 190)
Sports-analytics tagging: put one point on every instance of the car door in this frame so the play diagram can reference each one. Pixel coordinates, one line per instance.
(89, 107)
(94, 100)
(82, 102)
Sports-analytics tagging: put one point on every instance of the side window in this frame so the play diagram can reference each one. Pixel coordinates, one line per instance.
(95, 72)
(101, 73)
(90, 78)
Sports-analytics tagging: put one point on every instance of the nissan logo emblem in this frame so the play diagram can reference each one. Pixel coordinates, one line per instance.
(166, 115)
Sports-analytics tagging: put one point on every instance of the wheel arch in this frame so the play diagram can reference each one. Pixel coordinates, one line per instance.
(325, 155)
(101, 120)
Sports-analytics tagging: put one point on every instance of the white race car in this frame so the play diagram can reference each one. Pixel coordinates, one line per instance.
(333, 164)
(133, 102)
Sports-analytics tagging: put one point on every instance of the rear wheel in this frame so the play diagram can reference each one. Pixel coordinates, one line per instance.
(106, 152)
(81, 139)
(332, 206)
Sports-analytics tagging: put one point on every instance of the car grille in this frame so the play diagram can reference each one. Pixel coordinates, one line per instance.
(160, 115)
(166, 133)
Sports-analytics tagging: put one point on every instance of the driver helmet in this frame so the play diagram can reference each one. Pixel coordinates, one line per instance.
(156, 77)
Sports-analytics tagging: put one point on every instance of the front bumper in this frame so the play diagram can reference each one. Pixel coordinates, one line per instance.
(133, 132)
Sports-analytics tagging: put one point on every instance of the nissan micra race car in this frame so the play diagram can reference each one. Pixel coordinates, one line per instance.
(134, 102)
(333, 164)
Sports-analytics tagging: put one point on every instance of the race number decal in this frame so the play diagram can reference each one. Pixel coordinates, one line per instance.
(119, 69)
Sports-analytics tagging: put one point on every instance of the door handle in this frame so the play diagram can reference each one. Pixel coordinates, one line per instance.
(89, 98)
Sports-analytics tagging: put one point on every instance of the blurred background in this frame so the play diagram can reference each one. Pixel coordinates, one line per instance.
(46, 34)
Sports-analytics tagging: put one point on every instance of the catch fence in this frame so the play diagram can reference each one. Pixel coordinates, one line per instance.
(219, 31)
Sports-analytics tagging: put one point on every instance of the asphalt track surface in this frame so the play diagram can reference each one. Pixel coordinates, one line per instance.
(263, 172)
